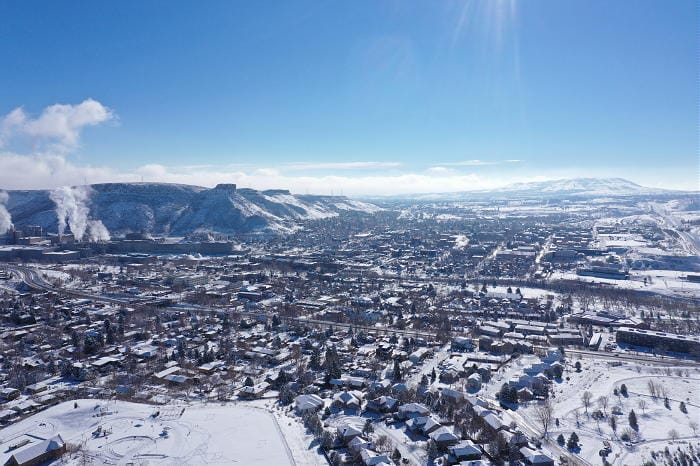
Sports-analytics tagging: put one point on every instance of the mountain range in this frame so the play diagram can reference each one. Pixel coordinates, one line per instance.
(570, 187)
(177, 210)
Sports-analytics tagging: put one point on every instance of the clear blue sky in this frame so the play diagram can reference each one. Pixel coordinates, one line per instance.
(586, 87)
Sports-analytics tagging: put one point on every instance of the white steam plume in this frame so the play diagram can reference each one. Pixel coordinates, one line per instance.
(98, 231)
(461, 242)
(72, 209)
(5, 217)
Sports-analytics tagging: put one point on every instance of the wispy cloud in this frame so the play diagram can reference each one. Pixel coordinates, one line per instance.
(480, 163)
(339, 165)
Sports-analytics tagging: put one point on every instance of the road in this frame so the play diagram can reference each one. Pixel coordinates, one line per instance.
(690, 241)
(652, 359)
(532, 430)
(34, 280)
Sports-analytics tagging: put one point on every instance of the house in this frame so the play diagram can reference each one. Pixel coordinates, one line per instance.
(536, 458)
(38, 453)
(494, 423)
(370, 458)
(308, 403)
(443, 437)
(347, 400)
(256, 391)
(462, 344)
(411, 410)
(453, 396)
(465, 450)
(382, 404)
(474, 382)
(348, 432)
(9, 393)
(358, 444)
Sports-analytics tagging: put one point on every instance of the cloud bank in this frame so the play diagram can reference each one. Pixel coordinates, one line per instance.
(35, 154)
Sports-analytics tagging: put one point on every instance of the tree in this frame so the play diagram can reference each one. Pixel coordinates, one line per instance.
(543, 414)
(508, 394)
(586, 398)
(683, 408)
(633, 421)
(603, 403)
(673, 434)
(368, 428)
(577, 417)
(623, 390)
(693, 426)
(558, 371)
(397, 370)
(578, 366)
(326, 440)
(613, 424)
(642, 403)
(572, 443)
(560, 440)
(396, 455)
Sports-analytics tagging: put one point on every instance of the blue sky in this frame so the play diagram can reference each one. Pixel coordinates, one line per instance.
(361, 96)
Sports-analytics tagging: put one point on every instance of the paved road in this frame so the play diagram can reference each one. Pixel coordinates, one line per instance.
(623, 357)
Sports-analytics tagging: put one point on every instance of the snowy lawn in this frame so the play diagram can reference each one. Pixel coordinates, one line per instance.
(117, 432)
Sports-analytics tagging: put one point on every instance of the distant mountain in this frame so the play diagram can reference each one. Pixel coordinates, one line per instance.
(178, 210)
(580, 187)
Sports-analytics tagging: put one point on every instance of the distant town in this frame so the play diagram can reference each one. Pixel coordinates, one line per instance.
(474, 330)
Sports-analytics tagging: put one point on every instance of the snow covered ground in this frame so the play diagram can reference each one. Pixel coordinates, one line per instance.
(664, 282)
(656, 421)
(118, 432)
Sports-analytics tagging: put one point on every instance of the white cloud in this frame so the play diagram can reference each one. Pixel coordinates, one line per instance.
(440, 170)
(340, 165)
(57, 128)
(471, 163)
(480, 163)
(379, 184)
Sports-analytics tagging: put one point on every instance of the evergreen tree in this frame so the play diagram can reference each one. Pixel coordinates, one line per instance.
(633, 420)
(368, 428)
(572, 443)
(397, 370)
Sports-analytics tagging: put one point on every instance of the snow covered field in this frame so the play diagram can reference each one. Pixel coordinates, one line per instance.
(117, 432)
(659, 425)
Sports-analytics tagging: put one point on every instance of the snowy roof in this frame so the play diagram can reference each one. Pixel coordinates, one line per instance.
(34, 451)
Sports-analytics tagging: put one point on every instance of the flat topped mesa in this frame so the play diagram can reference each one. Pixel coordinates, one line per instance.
(272, 192)
(226, 186)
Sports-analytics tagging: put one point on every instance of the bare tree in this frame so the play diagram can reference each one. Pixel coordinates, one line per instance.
(586, 398)
(603, 403)
(693, 426)
(673, 434)
(577, 416)
(543, 413)
(642, 405)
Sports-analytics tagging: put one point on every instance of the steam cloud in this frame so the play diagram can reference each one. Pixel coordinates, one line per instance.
(72, 210)
(5, 217)
(98, 232)
(461, 242)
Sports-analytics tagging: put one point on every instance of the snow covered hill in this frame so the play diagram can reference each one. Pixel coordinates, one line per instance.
(589, 187)
(178, 210)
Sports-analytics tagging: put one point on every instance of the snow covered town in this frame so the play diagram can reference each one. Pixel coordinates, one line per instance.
(329, 331)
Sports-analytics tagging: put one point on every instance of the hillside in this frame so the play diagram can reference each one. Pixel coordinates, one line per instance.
(178, 210)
